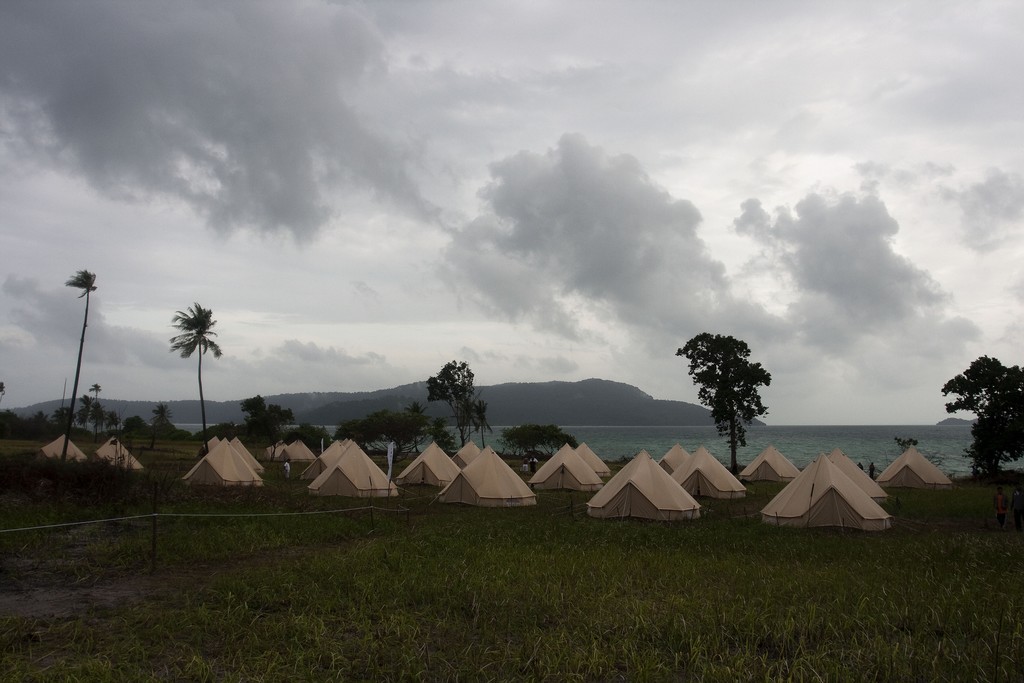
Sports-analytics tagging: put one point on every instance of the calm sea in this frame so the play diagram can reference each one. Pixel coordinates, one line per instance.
(944, 445)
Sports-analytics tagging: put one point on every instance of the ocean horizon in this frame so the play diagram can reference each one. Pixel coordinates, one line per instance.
(944, 445)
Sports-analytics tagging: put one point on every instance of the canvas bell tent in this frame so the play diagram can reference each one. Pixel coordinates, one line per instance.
(298, 451)
(674, 458)
(857, 475)
(353, 475)
(594, 460)
(643, 489)
(913, 470)
(223, 466)
(466, 454)
(770, 465)
(488, 481)
(566, 470)
(822, 495)
(703, 475)
(432, 467)
(326, 460)
(54, 448)
(247, 454)
(116, 453)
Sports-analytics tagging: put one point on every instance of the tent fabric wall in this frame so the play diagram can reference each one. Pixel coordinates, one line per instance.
(247, 454)
(488, 481)
(432, 467)
(223, 466)
(297, 451)
(857, 475)
(591, 458)
(643, 489)
(326, 460)
(353, 475)
(703, 475)
(674, 458)
(566, 470)
(770, 465)
(822, 495)
(117, 453)
(913, 470)
(54, 448)
(467, 454)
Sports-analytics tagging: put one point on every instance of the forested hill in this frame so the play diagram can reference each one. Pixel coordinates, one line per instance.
(594, 402)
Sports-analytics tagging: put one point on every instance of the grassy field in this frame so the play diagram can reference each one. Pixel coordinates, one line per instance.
(418, 590)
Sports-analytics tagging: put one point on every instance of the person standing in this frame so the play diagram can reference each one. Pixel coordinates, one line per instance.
(999, 503)
(287, 467)
(871, 471)
(1017, 505)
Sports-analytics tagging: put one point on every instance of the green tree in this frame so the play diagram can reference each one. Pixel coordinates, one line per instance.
(374, 431)
(265, 421)
(111, 421)
(995, 394)
(160, 422)
(96, 414)
(529, 439)
(3, 390)
(478, 418)
(85, 411)
(135, 425)
(85, 281)
(454, 386)
(196, 327)
(728, 384)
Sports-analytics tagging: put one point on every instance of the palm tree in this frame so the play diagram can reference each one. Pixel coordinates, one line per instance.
(479, 408)
(85, 281)
(3, 390)
(196, 326)
(97, 411)
(161, 419)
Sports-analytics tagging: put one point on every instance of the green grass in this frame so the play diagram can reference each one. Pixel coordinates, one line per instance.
(445, 592)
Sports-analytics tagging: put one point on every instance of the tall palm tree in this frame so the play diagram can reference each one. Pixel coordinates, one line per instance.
(85, 281)
(196, 326)
(97, 411)
(479, 407)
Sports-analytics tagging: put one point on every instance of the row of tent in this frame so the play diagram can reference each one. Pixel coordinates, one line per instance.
(831, 491)
(112, 451)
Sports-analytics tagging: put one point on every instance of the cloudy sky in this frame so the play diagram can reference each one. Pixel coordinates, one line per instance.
(548, 191)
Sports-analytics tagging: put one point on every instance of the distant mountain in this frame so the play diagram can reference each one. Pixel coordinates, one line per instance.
(590, 402)
(955, 421)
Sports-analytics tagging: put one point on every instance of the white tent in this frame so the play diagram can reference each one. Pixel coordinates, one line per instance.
(274, 451)
(674, 458)
(770, 465)
(297, 451)
(433, 466)
(326, 460)
(643, 489)
(488, 481)
(913, 470)
(237, 444)
(857, 475)
(566, 470)
(591, 458)
(223, 466)
(822, 495)
(116, 453)
(353, 475)
(54, 448)
(703, 475)
(466, 454)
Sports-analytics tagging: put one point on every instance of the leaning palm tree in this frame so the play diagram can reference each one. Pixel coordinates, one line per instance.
(196, 326)
(85, 281)
(479, 408)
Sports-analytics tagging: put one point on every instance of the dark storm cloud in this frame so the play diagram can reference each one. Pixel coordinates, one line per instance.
(849, 282)
(992, 209)
(575, 232)
(242, 110)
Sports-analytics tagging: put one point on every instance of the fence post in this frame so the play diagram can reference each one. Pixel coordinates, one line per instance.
(152, 545)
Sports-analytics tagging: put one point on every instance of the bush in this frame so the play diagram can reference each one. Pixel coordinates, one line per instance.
(91, 481)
